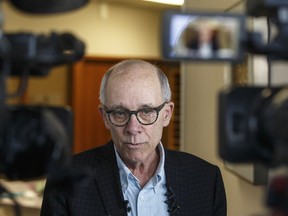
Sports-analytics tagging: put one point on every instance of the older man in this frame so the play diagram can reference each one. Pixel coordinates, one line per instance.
(133, 174)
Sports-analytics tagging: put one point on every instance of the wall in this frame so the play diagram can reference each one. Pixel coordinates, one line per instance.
(107, 30)
(201, 84)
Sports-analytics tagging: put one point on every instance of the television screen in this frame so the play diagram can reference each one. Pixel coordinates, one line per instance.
(202, 36)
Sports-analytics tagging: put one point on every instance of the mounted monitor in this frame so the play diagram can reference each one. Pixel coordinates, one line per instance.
(203, 36)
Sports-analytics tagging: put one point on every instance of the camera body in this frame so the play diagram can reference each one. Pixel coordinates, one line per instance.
(36, 141)
(253, 124)
(39, 53)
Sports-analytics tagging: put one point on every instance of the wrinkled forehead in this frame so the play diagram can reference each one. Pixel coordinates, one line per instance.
(134, 70)
(141, 72)
(139, 80)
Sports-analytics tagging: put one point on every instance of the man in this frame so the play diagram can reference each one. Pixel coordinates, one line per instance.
(133, 174)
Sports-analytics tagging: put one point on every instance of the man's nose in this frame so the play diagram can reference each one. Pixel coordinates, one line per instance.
(133, 126)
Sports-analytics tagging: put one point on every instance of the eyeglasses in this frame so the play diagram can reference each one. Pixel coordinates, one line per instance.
(145, 116)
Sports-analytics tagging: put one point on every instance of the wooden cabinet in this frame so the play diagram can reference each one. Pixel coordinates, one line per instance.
(89, 130)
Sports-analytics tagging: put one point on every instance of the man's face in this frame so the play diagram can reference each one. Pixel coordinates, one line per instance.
(205, 34)
(136, 143)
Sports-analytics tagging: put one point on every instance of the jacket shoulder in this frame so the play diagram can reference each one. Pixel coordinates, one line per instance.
(94, 155)
(184, 160)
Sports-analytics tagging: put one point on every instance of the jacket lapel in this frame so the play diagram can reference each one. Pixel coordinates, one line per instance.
(108, 181)
(173, 184)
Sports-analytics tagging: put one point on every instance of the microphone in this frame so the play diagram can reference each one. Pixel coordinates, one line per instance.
(126, 208)
(171, 201)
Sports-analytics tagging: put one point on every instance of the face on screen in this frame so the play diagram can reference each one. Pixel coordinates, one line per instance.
(202, 37)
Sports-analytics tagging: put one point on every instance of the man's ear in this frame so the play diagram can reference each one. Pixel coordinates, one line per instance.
(104, 116)
(168, 112)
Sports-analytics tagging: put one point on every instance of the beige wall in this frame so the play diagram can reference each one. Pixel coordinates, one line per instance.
(201, 84)
(107, 30)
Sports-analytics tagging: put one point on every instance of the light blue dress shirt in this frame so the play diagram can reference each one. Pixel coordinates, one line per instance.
(149, 200)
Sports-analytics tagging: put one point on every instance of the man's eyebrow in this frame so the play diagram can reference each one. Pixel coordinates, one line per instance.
(145, 106)
(121, 107)
(117, 107)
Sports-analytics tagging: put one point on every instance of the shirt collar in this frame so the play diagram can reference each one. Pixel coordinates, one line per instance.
(158, 177)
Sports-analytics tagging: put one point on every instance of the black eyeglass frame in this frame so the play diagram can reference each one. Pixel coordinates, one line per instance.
(130, 113)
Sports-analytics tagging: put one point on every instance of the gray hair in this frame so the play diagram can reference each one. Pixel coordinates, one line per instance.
(164, 83)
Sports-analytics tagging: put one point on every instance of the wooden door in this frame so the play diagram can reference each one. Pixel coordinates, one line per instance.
(89, 129)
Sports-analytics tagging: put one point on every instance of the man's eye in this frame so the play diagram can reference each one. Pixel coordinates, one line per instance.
(119, 113)
(146, 111)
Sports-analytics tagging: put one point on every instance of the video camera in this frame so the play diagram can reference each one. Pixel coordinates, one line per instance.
(36, 141)
(253, 120)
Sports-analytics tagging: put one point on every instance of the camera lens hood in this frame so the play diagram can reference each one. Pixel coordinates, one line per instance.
(46, 7)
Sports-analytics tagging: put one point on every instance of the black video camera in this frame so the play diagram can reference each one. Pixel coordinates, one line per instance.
(36, 141)
(253, 124)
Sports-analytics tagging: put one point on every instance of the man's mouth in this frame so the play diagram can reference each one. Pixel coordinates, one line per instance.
(133, 144)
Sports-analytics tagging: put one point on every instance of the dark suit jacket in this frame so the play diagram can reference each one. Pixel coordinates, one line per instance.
(197, 187)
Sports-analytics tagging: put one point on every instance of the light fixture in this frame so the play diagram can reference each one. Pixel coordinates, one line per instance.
(170, 2)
